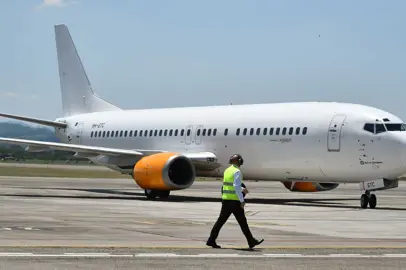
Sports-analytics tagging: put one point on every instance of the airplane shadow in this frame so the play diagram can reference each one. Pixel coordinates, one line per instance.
(140, 196)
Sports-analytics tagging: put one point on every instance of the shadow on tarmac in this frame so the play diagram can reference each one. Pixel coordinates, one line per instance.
(140, 196)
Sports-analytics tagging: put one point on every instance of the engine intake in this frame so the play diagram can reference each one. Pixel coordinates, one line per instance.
(164, 171)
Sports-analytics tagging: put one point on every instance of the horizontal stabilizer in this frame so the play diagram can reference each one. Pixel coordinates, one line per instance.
(35, 120)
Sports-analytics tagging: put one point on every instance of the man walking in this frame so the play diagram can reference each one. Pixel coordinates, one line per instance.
(232, 203)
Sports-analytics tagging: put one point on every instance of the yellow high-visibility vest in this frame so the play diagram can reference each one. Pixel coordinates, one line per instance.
(228, 184)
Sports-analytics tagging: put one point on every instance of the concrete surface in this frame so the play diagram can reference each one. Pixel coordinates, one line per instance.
(46, 218)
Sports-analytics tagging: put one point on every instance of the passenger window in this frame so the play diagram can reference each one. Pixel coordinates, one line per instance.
(182, 132)
(198, 132)
(238, 132)
(125, 133)
(277, 131)
(165, 132)
(297, 130)
(155, 132)
(304, 132)
(245, 131)
(214, 132)
(176, 132)
(369, 128)
(140, 133)
(204, 132)
(290, 130)
(252, 131)
(145, 133)
(160, 132)
(121, 133)
(170, 132)
(379, 128)
(209, 132)
(108, 134)
(258, 131)
(271, 131)
(150, 133)
(116, 133)
(100, 133)
(265, 131)
(188, 132)
(226, 132)
(135, 133)
(91, 134)
(104, 134)
(284, 131)
(130, 135)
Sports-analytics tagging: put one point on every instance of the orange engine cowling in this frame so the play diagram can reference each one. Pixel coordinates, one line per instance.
(309, 186)
(164, 171)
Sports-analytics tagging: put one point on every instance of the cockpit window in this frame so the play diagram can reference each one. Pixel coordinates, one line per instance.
(395, 127)
(379, 128)
(369, 127)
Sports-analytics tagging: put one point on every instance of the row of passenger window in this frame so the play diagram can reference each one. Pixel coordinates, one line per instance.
(272, 131)
(140, 133)
(203, 132)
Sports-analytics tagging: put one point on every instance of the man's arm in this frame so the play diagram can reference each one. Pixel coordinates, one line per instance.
(237, 186)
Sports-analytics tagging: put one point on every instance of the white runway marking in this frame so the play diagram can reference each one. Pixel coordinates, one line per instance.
(212, 255)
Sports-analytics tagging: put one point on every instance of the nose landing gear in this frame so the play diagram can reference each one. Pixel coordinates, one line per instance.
(368, 198)
(369, 186)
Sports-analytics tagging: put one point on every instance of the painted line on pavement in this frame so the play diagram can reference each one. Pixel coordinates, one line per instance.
(214, 255)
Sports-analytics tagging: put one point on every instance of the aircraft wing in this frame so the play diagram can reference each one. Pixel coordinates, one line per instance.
(201, 159)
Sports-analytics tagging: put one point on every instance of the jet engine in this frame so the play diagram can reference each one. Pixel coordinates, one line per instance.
(164, 171)
(309, 186)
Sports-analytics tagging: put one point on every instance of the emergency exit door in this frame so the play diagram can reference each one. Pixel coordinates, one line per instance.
(334, 133)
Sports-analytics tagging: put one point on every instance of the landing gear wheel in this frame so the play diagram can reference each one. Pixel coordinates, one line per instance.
(372, 201)
(364, 201)
(151, 194)
(164, 194)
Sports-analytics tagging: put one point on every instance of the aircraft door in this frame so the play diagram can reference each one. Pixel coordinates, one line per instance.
(334, 133)
(188, 134)
(77, 133)
(198, 134)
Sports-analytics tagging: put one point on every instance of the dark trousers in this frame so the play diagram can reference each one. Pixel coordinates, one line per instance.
(231, 207)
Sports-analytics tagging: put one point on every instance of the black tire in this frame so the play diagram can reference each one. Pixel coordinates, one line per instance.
(164, 194)
(372, 201)
(364, 201)
(150, 194)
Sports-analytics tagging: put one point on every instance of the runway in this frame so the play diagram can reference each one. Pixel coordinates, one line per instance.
(53, 222)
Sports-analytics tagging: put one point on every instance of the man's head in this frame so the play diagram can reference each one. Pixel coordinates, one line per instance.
(236, 159)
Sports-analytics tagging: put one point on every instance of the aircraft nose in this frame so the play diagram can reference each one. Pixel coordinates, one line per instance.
(402, 149)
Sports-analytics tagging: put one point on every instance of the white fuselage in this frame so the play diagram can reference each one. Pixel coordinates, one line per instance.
(325, 153)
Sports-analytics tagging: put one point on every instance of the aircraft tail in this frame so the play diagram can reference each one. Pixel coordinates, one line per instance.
(77, 94)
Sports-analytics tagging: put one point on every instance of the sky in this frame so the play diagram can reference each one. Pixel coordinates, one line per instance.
(154, 54)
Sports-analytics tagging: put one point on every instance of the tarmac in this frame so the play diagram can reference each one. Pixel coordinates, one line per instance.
(53, 223)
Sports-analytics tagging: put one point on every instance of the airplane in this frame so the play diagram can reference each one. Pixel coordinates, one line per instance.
(307, 146)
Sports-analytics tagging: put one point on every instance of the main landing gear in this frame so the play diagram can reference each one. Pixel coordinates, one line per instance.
(368, 198)
(369, 186)
(152, 193)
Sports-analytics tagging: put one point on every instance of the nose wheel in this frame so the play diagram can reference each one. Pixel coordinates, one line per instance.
(368, 198)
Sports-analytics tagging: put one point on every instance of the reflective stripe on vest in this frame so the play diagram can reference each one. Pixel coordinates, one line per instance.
(228, 184)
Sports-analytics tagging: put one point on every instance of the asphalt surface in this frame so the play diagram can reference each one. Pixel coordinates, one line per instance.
(53, 223)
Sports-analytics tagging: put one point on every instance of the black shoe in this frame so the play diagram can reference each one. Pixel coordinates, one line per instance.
(212, 244)
(255, 242)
